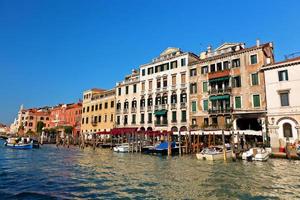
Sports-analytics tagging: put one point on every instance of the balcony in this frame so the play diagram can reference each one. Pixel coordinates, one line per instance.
(183, 85)
(125, 111)
(149, 122)
(220, 111)
(118, 111)
(133, 110)
(150, 91)
(158, 90)
(173, 87)
(161, 106)
(182, 105)
(94, 123)
(218, 74)
(173, 106)
(142, 108)
(165, 89)
(149, 108)
(142, 122)
(161, 123)
(226, 90)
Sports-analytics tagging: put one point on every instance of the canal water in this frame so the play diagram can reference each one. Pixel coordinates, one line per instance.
(51, 173)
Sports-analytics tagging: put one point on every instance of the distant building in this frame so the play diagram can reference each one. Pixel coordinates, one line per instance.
(98, 110)
(283, 101)
(66, 115)
(4, 129)
(227, 88)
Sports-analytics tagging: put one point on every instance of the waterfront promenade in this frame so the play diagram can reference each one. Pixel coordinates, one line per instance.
(62, 173)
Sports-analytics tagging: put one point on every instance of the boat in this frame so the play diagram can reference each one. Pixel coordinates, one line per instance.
(256, 154)
(162, 148)
(19, 143)
(298, 150)
(124, 148)
(213, 153)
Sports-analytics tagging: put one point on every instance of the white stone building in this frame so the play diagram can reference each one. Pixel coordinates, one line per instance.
(282, 81)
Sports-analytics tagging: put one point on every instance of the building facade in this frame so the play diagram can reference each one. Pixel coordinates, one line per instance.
(227, 87)
(155, 97)
(128, 95)
(283, 94)
(66, 115)
(98, 110)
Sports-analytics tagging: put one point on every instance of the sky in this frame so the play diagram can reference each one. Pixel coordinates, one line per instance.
(53, 50)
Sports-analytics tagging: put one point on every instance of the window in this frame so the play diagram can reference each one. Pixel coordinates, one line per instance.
(283, 75)
(142, 102)
(236, 81)
(254, 79)
(150, 101)
(174, 98)
(194, 121)
(284, 98)
(205, 121)
(165, 99)
(150, 85)
(219, 66)
(149, 117)
(87, 120)
(212, 68)
(106, 105)
(88, 109)
(165, 82)
(173, 64)
(204, 70)
(214, 121)
(126, 89)
(194, 106)
(119, 91)
(183, 116)
(150, 70)
(111, 117)
(193, 72)
(158, 83)
(204, 86)
(142, 118)
(253, 59)
(105, 118)
(112, 104)
(183, 62)
(96, 107)
(182, 78)
(118, 120)
(236, 63)
(205, 105)
(287, 130)
(100, 106)
(133, 119)
(125, 119)
(92, 109)
(238, 103)
(174, 80)
(143, 72)
(256, 101)
(99, 118)
(83, 110)
(183, 98)
(226, 65)
(134, 104)
(95, 119)
(193, 88)
(82, 121)
(174, 116)
(143, 86)
(134, 88)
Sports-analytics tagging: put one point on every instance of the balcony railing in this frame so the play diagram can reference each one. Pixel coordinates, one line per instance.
(182, 105)
(142, 108)
(218, 74)
(158, 89)
(161, 106)
(142, 122)
(165, 89)
(133, 110)
(118, 111)
(125, 110)
(173, 87)
(220, 110)
(161, 123)
(173, 106)
(220, 91)
(149, 122)
(183, 85)
(149, 108)
(94, 123)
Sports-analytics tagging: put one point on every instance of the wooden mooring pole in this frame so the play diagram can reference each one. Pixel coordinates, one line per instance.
(224, 146)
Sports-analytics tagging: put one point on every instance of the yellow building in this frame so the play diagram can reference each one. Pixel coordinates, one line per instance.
(98, 110)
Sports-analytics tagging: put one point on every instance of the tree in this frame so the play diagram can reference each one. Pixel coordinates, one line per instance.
(68, 130)
(39, 127)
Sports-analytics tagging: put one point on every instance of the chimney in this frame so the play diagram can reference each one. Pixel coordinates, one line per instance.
(209, 49)
(257, 43)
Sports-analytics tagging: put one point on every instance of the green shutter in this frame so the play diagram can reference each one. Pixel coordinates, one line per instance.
(194, 106)
(205, 105)
(238, 102)
(204, 86)
(254, 79)
(256, 101)
(174, 116)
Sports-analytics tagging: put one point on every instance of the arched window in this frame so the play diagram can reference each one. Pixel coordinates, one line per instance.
(174, 98)
(183, 97)
(287, 130)
(165, 99)
(134, 104)
(158, 100)
(126, 105)
(150, 101)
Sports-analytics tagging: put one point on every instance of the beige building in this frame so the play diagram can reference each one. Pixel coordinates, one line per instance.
(98, 110)
(283, 94)
(227, 87)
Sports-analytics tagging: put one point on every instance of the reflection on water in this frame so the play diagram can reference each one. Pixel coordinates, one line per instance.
(51, 173)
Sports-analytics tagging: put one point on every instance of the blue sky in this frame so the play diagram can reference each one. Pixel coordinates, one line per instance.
(51, 51)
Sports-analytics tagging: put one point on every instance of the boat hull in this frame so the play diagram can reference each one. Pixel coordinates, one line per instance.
(20, 146)
(213, 157)
(121, 149)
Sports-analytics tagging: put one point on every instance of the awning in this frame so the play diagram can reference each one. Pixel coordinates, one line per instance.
(220, 97)
(219, 79)
(160, 112)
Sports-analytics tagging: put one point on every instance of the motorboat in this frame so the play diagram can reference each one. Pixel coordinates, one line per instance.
(256, 154)
(214, 153)
(298, 150)
(19, 143)
(124, 148)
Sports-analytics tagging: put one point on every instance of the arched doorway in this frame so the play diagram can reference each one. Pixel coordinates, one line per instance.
(142, 129)
(287, 130)
(183, 128)
(174, 129)
(149, 129)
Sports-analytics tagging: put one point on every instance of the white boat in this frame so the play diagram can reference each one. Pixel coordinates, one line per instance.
(256, 154)
(213, 153)
(19, 143)
(124, 148)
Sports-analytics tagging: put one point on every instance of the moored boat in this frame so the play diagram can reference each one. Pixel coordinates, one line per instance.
(19, 143)
(213, 153)
(124, 148)
(256, 154)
